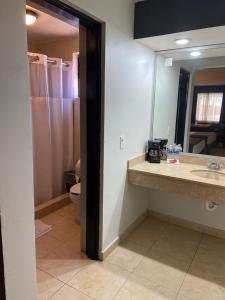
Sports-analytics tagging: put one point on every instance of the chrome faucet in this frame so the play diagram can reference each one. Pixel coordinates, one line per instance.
(215, 165)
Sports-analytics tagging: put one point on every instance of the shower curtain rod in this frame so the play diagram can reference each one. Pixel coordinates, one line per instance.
(51, 61)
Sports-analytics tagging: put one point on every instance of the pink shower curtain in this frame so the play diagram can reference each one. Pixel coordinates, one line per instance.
(53, 91)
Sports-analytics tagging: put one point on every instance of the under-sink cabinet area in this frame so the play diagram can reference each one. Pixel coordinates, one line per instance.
(190, 177)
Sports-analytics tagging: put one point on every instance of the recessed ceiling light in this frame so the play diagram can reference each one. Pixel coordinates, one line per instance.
(195, 53)
(31, 17)
(183, 41)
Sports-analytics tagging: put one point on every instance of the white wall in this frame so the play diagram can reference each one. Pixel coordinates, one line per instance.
(166, 96)
(16, 184)
(129, 71)
(186, 208)
(128, 80)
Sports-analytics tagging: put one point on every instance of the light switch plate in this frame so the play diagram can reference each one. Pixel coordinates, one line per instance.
(122, 142)
(169, 62)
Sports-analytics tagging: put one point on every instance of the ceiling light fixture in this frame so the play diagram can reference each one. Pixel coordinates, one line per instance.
(31, 17)
(195, 53)
(183, 41)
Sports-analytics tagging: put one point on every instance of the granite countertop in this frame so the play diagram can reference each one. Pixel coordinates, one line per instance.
(181, 171)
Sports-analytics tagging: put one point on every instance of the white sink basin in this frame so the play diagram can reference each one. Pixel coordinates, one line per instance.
(208, 174)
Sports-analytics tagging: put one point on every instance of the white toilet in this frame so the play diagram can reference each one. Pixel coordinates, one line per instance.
(75, 191)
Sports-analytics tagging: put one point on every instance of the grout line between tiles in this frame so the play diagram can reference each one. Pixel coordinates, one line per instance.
(43, 270)
(55, 248)
(79, 291)
(149, 249)
(56, 292)
(120, 289)
(62, 243)
(46, 272)
(81, 269)
(127, 278)
(187, 272)
(54, 278)
(73, 289)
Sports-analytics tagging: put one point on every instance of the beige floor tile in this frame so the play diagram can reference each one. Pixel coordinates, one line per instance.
(68, 209)
(135, 289)
(127, 256)
(47, 285)
(45, 244)
(65, 261)
(164, 274)
(152, 223)
(64, 231)
(208, 272)
(178, 243)
(209, 268)
(69, 293)
(100, 281)
(176, 247)
(174, 232)
(144, 238)
(53, 218)
(62, 215)
(69, 212)
(73, 245)
(208, 262)
(212, 244)
(205, 279)
(195, 288)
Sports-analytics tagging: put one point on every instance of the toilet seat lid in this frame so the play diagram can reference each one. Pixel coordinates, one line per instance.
(75, 189)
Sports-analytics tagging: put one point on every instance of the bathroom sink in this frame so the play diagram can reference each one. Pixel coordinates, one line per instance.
(208, 174)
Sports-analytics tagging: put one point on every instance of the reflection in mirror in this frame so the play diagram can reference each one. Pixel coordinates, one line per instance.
(189, 107)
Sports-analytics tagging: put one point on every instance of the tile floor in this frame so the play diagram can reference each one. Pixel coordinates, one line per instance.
(158, 261)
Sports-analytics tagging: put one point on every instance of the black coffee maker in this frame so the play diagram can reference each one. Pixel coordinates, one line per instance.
(153, 155)
(163, 144)
(157, 150)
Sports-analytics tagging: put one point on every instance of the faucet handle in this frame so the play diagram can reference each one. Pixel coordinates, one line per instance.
(221, 164)
(213, 164)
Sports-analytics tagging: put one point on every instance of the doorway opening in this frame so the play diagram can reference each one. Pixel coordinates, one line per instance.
(65, 63)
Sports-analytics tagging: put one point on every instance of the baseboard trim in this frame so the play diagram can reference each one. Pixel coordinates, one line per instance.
(188, 224)
(109, 249)
(52, 205)
(103, 254)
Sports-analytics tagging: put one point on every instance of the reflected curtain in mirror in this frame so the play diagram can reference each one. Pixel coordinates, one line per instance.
(209, 107)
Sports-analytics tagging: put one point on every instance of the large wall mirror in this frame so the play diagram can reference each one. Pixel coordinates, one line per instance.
(189, 105)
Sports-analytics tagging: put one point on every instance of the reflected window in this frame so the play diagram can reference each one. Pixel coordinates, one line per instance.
(209, 107)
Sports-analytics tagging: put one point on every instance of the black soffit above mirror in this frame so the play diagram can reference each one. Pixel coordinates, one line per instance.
(160, 17)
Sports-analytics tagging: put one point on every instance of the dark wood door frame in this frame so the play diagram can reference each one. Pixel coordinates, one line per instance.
(2, 277)
(182, 106)
(93, 115)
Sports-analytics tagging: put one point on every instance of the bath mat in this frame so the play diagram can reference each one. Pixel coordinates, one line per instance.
(41, 228)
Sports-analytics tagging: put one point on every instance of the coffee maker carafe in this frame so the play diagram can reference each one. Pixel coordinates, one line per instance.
(163, 148)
